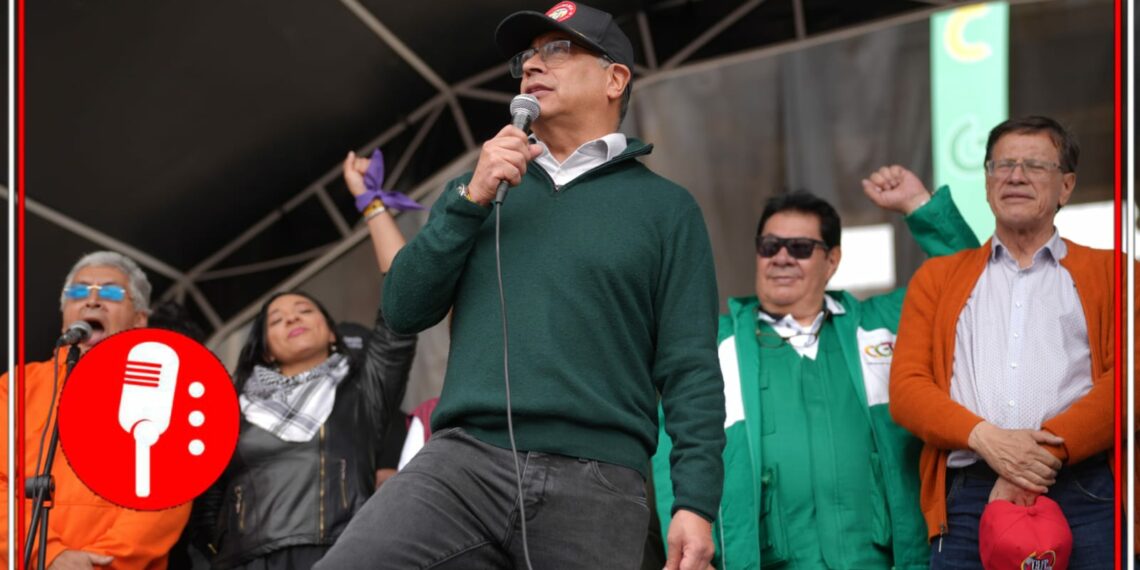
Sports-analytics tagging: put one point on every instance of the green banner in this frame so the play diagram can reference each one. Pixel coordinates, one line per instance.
(969, 90)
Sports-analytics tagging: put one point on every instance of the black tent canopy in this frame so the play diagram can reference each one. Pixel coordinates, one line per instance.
(204, 139)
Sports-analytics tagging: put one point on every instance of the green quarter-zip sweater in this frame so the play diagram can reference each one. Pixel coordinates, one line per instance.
(611, 300)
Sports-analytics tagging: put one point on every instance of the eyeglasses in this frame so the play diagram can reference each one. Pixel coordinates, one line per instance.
(1031, 168)
(553, 54)
(799, 248)
(80, 291)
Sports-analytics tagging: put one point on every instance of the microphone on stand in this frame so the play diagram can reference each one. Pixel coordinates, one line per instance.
(76, 333)
(41, 487)
(524, 109)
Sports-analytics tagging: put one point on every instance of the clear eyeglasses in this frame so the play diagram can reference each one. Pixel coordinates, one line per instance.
(1032, 168)
(553, 54)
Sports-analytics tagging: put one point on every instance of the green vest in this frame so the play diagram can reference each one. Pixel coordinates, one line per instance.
(748, 529)
(820, 460)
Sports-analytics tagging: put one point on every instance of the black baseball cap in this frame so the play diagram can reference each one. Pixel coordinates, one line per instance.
(589, 26)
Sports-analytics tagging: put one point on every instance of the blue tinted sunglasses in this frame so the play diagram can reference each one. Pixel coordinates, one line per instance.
(80, 291)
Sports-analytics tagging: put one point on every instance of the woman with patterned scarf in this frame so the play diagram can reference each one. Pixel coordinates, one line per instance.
(313, 419)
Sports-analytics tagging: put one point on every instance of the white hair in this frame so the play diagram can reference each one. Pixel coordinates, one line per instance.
(137, 284)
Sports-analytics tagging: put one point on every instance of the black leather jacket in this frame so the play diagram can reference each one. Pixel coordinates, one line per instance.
(276, 493)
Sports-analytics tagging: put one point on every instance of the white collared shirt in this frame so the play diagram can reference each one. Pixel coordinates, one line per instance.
(804, 339)
(1021, 353)
(587, 157)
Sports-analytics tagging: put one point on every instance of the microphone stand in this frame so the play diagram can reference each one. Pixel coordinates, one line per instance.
(41, 487)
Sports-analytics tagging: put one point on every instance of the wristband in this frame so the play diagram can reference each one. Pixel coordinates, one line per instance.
(374, 209)
(463, 191)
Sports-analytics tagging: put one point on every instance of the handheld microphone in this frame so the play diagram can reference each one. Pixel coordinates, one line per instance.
(76, 333)
(149, 379)
(524, 109)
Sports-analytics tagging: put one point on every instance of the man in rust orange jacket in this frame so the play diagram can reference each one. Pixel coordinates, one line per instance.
(1004, 364)
(111, 293)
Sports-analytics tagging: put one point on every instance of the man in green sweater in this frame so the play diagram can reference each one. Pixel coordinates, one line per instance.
(610, 290)
(817, 475)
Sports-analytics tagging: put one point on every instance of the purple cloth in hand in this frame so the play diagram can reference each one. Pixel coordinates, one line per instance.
(374, 180)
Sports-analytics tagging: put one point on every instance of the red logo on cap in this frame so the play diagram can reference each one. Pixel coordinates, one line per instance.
(562, 11)
(1044, 561)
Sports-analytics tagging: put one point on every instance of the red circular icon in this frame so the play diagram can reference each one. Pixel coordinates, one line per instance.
(148, 419)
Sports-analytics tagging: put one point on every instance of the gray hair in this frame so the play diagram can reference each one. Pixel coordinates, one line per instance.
(137, 284)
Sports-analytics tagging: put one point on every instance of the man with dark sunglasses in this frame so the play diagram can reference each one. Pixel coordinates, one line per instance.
(610, 287)
(109, 292)
(816, 473)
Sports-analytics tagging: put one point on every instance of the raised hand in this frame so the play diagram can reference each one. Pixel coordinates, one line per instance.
(387, 240)
(895, 188)
(354, 169)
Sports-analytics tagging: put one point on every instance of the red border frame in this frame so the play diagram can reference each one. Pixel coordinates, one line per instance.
(1122, 359)
(19, 190)
(18, 92)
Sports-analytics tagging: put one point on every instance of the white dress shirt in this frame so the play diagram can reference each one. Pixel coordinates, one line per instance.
(587, 157)
(1021, 352)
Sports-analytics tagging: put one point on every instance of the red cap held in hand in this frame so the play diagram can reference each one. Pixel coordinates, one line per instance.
(1012, 537)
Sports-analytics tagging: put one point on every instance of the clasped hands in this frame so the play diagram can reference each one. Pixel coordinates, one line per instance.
(1025, 468)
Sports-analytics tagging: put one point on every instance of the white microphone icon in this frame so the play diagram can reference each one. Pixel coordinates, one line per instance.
(149, 379)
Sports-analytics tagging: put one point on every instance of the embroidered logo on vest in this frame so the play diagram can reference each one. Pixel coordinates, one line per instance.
(876, 348)
(883, 350)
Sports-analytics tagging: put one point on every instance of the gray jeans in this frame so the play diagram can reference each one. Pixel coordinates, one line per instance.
(455, 505)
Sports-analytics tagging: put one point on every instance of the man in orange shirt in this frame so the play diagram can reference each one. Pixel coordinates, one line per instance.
(111, 293)
(1004, 364)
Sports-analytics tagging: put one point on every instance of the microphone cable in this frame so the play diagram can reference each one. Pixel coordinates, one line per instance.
(51, 407)
(507, 383)
(39, 499)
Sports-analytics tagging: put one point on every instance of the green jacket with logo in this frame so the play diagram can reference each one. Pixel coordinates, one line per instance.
(747, 530)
